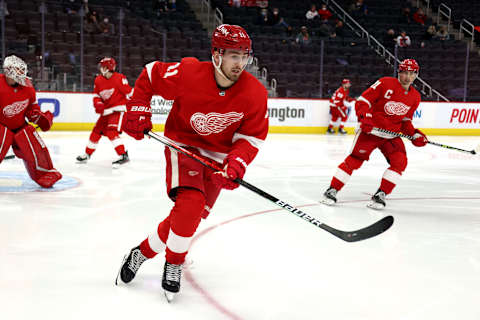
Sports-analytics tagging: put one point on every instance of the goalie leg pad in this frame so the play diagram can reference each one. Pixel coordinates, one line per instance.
(28, 146)
(6, 139)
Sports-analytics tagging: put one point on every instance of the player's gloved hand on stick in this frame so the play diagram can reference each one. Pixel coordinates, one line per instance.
(99, 107)
(419, 139)
(43, 119)
(366, 122)
(232, 170)
(138, 120)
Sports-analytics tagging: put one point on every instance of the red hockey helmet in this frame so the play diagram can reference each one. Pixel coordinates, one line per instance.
(228, 36)
(409, 65)
(108, 63)
(346, 81)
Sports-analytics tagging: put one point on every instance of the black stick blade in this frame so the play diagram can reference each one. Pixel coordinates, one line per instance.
(11, 156)
(368, 232)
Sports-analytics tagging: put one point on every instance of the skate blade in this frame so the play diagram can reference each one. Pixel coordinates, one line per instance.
(328, 202)
(118, 166)
(169, 295)
(120, 270)
(375, 206)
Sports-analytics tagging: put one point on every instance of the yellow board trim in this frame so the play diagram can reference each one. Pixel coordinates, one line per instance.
(89, 127)
(281, 129)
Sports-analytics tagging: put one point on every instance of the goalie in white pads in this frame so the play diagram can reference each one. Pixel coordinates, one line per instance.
(17, 102)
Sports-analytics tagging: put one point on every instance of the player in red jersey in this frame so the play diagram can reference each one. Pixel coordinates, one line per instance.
(17, 102)
(111, 93)
(338, 109)
(220, 113)
(389, 104)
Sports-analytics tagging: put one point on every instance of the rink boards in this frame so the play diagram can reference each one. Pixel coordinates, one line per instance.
(75, 111)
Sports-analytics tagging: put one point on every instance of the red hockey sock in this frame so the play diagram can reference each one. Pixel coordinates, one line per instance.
(389, 180)
(155, 243)
(116, 141)
(92, 143)
(344, 171)
(184, 220)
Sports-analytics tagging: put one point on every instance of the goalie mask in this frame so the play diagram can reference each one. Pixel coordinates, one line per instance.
(16, 69)
(231, 37)
(107, 65)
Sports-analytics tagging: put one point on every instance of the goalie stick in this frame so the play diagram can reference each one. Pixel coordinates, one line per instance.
(350, 236)
(396, 134)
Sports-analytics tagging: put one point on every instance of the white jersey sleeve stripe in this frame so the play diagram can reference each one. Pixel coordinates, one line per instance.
(361, 98)
(255, 142)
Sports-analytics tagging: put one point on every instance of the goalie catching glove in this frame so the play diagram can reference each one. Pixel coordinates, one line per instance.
(43, 119)
(234, 168)
(138, 120)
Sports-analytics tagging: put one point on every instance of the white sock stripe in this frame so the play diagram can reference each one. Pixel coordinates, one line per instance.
(155, 243)
(178, 244)
(92, 145)
(342, 175)
(117, 142)
(392, 176)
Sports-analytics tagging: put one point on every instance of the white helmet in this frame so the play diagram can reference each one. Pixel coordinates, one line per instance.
(16, 69)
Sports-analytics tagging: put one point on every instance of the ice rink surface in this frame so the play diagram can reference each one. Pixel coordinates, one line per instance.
(61, 250)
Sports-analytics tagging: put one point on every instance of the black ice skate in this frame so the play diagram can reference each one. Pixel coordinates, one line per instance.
(172, 274)
(378, 200)
(329, 197)
(83, 158)
(342, 131)
(123, 159)
(130, 265)
(330, 131)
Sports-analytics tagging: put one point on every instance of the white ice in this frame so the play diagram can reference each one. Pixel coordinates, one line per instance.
(60, 251)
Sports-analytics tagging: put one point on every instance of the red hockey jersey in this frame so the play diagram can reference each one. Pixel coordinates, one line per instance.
(339, 97)
(213, 120)
(389, 103)
(113, 92)
(16, 103)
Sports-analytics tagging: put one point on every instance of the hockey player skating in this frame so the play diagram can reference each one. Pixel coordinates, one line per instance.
(111, 92)
(220, 113)
(17, 102)
(338, 108)
(388, 104)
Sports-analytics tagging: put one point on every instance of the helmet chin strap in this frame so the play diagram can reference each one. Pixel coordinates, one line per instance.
(219, 69)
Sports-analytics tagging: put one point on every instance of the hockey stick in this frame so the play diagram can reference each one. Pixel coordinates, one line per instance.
(396, 134)
(349, 236)
(341, 111)
(10, 156)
